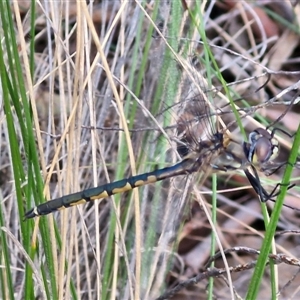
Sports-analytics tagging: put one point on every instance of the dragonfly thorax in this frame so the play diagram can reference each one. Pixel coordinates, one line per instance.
(230, 156)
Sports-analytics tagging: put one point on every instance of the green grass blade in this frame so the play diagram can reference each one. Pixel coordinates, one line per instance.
(19, 120)
(6, 280)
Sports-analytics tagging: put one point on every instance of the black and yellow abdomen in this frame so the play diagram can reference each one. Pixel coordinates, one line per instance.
(108, 189)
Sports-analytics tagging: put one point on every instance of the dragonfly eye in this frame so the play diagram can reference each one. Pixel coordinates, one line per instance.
(263, 150)
(263, 147)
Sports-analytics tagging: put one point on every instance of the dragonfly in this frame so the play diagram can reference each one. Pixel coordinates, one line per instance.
(217, 152)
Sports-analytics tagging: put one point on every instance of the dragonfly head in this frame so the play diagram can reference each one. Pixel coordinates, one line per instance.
(262, 147)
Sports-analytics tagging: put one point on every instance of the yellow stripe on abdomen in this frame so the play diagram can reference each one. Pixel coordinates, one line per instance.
(104, 194)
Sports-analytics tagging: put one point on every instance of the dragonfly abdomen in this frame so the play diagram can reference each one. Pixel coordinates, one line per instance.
(108, 189)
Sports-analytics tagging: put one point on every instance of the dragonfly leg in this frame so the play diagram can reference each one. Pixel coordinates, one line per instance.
(256, 184)
(281, 130)
(275, 193)
(262, 193)
(271, 172)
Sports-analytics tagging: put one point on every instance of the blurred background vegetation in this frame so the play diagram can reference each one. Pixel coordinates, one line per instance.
(92, 93)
